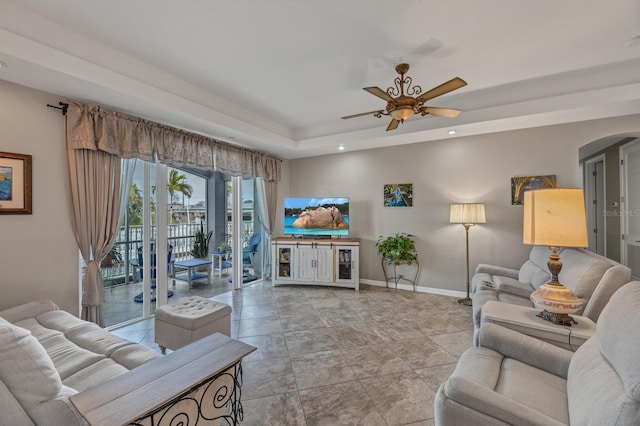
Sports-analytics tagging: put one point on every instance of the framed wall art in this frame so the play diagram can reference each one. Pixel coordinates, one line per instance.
(521, 184)
(15, 183)
(398, 195)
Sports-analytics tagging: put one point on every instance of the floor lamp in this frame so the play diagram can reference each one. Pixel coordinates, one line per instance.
(555, 218)
(468, 215)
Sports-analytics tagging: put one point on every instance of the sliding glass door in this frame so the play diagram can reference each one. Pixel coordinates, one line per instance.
(246, 231)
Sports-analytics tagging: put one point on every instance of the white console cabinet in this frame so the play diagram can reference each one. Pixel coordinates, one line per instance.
(332, 262)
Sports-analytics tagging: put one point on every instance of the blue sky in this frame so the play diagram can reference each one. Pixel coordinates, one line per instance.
(198, 184)
(291, 203)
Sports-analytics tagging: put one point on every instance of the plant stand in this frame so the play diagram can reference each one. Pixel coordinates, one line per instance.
(396, 278)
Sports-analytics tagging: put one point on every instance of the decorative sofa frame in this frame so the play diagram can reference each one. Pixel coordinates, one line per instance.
(56, 369)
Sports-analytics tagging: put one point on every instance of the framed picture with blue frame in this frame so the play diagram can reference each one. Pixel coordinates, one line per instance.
(15, 183)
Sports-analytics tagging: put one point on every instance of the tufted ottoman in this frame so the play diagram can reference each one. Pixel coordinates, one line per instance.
(189, 319)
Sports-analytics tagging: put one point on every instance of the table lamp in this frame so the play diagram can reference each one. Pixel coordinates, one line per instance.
(468, 215)
(555, 218)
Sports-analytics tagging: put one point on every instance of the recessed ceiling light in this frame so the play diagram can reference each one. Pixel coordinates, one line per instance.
(452, 132)
(2, 64)
(633, 41)
(341, 147)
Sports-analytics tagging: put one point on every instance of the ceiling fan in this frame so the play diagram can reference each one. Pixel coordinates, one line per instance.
(401, 106)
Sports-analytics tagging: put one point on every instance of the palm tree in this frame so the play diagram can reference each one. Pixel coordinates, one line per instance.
(135, 205)
(178, 183)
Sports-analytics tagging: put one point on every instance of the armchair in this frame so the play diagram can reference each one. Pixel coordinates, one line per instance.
(519, 380)
(138, 264)
(248, 253)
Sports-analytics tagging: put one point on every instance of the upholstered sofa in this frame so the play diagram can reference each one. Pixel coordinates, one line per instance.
(516, 379)
(591, 277)
(58, 370)
(47, 355)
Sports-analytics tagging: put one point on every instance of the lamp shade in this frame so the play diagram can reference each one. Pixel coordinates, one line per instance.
(467, 213)
(555, 217)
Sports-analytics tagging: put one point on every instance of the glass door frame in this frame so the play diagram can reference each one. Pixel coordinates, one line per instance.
(161, 272)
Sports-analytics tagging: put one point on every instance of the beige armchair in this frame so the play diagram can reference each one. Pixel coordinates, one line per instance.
(518, 380)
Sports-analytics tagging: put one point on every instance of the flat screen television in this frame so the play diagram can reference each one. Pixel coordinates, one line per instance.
(316, 216)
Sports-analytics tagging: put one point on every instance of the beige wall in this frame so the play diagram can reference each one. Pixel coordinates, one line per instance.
(465, 169)
(38, 253)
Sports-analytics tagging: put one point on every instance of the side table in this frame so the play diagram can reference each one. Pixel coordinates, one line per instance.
(524, 320)
(190, 265)
(219, 262)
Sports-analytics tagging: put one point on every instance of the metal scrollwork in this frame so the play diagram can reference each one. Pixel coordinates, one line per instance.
(215, 401)
(402, 84)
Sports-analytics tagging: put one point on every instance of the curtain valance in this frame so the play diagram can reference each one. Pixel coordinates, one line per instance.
(96, 128)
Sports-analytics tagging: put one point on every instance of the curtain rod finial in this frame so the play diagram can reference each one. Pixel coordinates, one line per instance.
(63, 107)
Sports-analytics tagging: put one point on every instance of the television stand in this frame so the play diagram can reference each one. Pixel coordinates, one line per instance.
(316, 262)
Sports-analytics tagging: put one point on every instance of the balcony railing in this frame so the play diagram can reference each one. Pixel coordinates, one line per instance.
(180, 236)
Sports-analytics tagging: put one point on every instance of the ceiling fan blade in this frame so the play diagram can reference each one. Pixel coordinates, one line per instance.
(453, 84)
(393, 124)
(441, 112)
(363, 113)
(376, 91)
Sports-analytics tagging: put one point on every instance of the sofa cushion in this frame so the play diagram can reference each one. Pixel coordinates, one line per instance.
(487, 370)
(68, 357)
(95, 374)
(58, 410)
(96, 339)
(134, 355)
(63, 321)
(534, 388)
(37, 330)
(26, 368)
(533, 274)
(581, 272)
(539, 256)
(620, 336)
(12, 411)
(596, 394)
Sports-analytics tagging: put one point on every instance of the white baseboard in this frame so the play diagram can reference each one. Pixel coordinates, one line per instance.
(419, 288)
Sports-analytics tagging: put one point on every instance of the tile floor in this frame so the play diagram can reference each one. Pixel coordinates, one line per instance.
(119, 306)
(338, 357)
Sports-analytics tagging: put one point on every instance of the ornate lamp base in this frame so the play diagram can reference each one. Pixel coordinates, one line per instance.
(560, 319)
(465, 301)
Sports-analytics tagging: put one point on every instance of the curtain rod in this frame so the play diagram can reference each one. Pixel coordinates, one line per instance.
(63, 107)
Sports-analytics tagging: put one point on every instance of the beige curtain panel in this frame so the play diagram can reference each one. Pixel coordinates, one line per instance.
(95, 128)
(96, 201)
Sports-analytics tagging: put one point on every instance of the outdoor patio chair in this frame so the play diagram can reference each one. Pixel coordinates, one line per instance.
(248, 253)
(138, 268)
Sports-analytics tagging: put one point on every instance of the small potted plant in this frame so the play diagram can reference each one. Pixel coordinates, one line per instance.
(201, 241)
(399, 249)
(114, 256)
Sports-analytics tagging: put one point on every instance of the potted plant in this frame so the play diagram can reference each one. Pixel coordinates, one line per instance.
(201, 243)
(113, 256)
(399, 249)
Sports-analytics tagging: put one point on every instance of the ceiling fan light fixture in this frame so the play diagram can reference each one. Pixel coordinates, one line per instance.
(405, 99)
(402, 113)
